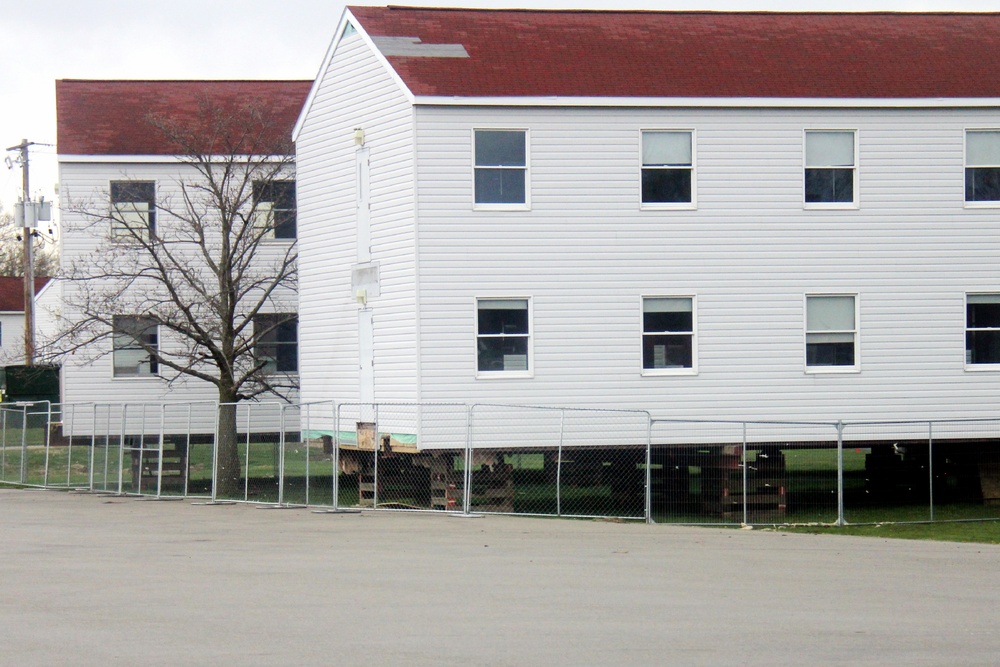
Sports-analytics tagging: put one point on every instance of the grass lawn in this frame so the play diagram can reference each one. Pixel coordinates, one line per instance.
(984, 532)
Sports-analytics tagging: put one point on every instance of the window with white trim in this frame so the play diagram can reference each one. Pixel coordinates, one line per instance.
(503, 336)
(831, 332)
(276, 342)
(667, 168)
(982, 166)
(133, 210)
(830, 168)
(501, 168)
(135, 341)
(982, 329)
(274, 208)
(668, 343)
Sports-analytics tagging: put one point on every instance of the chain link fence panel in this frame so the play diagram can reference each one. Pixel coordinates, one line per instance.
(558, 461)
(926, 471)
(511, 459)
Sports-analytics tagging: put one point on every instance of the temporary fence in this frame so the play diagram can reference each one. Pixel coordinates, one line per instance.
(509, 459)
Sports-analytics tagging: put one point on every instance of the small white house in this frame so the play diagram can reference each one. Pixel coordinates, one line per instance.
(704, 215)
(117, 157)
(12, 315)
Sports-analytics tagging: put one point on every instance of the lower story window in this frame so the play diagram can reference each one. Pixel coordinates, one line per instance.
(982, 329)
(667, 333)
(277, 342)
(831, 332)
(135, 341)
(502, 335)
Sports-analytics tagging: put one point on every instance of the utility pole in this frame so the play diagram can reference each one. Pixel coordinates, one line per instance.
(28, 213)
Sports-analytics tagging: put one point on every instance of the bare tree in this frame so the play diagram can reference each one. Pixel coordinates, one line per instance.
(46, 261)
(195, 268)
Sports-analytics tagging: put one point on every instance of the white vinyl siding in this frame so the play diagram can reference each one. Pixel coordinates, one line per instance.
(88, 376)
(587, 254)
(357, 92)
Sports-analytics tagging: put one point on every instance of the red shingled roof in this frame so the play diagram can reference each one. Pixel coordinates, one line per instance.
(112, 117)
(12, 293)
(538, 53)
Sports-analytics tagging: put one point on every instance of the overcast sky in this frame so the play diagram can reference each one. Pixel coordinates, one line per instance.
(45, 40)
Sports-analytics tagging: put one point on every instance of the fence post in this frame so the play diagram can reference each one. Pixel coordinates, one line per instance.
(305, 443)
(45, 471)
(281, 455)
(840, 474)
(93, 446)
(246, 471)
(744, 456)
(159, 459)
(121, 451)
(24, 444)
(467, 465)
(3, 443)
(648, 509)
(215, 453)
(559, 462)
(187, 456)
(335, 490)
(376, 445)
(930, 465)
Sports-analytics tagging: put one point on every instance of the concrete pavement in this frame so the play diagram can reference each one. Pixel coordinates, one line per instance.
(89, 580)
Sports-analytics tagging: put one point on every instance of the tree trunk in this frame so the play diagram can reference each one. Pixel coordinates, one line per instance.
(228, 470)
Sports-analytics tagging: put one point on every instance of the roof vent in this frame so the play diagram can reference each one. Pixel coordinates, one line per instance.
(412, 47)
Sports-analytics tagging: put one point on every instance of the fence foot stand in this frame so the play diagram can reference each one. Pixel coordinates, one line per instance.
(215, 502)
(337, 511)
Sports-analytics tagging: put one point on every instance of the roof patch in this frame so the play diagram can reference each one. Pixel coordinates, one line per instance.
(412, 47)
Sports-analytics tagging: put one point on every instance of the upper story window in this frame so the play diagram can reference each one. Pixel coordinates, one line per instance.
(667, 334)
(501, 169)
(134, 343)
(276, 338)
(274, 203)
(831, 333)
(982, 329)
(667, 169)
(982, 166)
(503, 336)
(831, 169)
(133, 209)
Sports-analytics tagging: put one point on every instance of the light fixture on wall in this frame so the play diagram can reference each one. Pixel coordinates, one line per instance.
(359, 136)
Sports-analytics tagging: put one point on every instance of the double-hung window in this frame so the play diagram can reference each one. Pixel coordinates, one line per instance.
(133, 210)
(501, 168)
(503, 336)
(668, 341)
(831, 169)
(667, 169)
(982, 330)
(831, 333)
(982, 166)
(135, 342)
(274, 208)
(276, 337)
